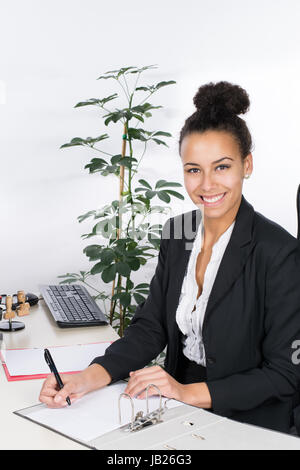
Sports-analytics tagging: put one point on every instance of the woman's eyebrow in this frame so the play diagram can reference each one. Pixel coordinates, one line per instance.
(216, 161)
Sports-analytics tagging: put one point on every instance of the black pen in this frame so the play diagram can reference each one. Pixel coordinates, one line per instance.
(50, 362)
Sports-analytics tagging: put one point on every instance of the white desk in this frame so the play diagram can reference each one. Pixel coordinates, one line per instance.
(40, 331)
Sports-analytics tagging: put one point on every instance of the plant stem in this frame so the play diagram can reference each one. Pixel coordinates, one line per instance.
(102, 151)
(98, 150)
(120, 308)
(135, 170)
(121, 190)
(126, 86)
(122, 88)
(138, 76)
(145, 98)
(92, 287)
(112, 304)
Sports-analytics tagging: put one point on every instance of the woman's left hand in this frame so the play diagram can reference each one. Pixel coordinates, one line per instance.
(168, 386)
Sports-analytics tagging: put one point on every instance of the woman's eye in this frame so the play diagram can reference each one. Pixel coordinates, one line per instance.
(197, 170)
(223, 167)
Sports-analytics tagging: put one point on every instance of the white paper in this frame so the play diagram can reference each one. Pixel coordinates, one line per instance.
(66, 358)
(95, 413)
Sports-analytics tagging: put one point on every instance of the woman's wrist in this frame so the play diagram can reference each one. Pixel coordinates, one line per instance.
(96, 377)
(196, 394)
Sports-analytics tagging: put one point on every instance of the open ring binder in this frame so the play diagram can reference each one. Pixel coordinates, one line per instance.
(140, 421)
(183, 427)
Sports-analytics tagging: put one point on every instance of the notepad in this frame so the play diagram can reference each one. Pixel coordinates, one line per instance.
(93, 415)
(24, 364)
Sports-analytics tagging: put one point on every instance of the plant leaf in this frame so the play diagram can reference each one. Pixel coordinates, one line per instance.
(159, 142)
(166, 134)
(98, 268)
(123, 268)
(145, 183)
(96, 164)
(164, 196)
(96, 102)
(164, 183)
(164, 83)
(109, 273)
(174, 193)
(134, 264)
(125, 299)
(93, 252)
(150, 194)
(138, 298)
(107, 256)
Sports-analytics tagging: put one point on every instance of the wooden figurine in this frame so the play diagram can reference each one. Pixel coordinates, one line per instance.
(9, 314)
(24, 307)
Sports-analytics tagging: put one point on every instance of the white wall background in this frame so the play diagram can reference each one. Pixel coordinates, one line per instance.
(51, 55)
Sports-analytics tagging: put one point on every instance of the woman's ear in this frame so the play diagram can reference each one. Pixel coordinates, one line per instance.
(248, 165)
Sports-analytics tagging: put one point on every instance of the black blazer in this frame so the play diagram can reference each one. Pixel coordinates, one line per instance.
(251, 320)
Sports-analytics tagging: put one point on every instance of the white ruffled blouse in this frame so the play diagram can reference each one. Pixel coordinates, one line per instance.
(190, 322)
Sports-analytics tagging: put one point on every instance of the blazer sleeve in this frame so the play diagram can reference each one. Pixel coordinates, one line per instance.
(146, 336)
(277, 377)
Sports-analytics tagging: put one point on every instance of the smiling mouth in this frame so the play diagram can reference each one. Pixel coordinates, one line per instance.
(213, 199)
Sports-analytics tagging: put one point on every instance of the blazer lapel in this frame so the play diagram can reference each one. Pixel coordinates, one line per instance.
(237, 251)
(184, 232)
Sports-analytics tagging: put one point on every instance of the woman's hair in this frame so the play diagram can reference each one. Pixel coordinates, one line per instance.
(218, 105)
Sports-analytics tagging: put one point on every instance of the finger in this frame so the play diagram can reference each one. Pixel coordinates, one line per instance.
(150, 375)
(50, 386)
(52, 403)
(144, 375)
(66, 391)
(49, 401)
(49, 383)
(48, 390)
(76, 396)
(146, 370)
(143, 394)
(138, 386)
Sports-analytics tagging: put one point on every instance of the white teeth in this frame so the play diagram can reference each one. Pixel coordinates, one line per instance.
(213, 199)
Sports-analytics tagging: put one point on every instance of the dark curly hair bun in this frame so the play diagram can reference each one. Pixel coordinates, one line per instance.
(217, 101)
(218, 106)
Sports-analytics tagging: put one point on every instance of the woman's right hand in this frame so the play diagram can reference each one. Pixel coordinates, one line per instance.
(75, 386)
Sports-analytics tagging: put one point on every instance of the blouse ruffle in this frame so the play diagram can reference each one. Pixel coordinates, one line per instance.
(190, 322)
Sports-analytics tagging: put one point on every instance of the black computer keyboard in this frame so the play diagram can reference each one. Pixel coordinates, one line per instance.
(72, 305)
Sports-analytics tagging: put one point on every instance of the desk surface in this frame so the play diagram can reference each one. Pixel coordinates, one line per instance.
(40, 331)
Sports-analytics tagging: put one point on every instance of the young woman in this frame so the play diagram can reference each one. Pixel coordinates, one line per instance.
(225, 296)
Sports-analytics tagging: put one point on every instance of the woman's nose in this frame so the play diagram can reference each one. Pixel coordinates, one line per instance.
(206, 183)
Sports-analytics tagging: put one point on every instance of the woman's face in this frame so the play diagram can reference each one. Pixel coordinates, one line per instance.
(214, 171)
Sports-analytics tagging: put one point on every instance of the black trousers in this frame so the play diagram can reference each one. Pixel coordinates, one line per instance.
(189, 371)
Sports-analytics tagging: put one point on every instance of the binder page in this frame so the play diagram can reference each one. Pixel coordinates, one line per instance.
(94, 414)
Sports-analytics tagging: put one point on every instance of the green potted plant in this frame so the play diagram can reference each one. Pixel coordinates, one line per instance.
(129, 240)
